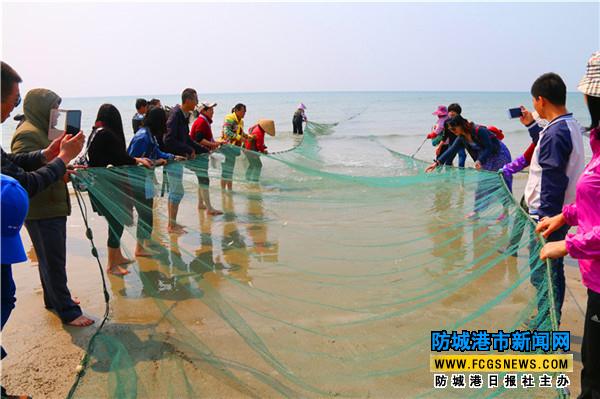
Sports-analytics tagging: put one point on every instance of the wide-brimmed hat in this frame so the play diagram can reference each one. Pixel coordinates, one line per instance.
(590, 83)
(15, 204)
(440, 111)
(268, 126)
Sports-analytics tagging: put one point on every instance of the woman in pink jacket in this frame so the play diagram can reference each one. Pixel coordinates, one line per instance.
(585, 244)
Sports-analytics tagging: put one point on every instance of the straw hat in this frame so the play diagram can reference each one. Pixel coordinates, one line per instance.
(268, 126)
(590, 83)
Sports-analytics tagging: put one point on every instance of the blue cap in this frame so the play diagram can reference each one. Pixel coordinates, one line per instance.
(15, 204)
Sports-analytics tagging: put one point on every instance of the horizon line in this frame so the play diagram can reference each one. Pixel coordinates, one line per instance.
(314, 92)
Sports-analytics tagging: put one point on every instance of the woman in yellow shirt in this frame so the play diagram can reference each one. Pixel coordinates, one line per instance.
(233, 134)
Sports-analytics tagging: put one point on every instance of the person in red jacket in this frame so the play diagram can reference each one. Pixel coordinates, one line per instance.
(201, 133)
(256, 143)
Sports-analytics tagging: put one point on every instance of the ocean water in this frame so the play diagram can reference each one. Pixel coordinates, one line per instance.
(400, 119)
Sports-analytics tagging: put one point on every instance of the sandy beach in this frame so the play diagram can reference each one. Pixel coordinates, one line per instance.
(153, 313)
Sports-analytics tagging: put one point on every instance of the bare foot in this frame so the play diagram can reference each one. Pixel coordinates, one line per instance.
(125, 261)
(117, 271)
(214, 212)
(81, 321)
(76, 300)
(176, 229)
(201, 206)
(145, 252)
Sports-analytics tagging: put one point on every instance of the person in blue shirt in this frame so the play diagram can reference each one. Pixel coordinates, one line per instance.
(145, 145)
(141, 107)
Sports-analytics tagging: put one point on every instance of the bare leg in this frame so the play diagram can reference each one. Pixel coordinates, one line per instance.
(173, 227)
(122, 260)
(205, 195)
(202, 204)
(114, 262)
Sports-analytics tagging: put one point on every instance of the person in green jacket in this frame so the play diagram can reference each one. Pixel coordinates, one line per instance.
(46, 220)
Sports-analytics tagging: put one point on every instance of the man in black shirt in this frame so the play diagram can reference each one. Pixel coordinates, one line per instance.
(177, 141)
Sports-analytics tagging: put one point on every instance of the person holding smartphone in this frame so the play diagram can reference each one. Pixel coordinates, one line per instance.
(48, 211)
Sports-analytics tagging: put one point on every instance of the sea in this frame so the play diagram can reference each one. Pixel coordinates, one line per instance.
(400, 119)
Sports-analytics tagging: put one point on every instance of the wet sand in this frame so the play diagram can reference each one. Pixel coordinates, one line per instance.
(44, 354)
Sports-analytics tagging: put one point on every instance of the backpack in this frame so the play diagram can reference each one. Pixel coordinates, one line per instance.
(494, 130)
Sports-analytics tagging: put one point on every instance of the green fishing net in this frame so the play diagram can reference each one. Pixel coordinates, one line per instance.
(322, 278)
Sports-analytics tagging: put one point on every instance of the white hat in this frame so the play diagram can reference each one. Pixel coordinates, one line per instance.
(590, 83)
(206, 105)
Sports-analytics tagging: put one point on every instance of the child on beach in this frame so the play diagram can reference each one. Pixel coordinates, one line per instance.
(442, 114)
(446, 138)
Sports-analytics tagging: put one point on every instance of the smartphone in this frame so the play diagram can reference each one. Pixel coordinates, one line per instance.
(515, 113)
(73, 124)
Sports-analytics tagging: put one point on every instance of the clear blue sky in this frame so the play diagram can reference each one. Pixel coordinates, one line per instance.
(139, 48)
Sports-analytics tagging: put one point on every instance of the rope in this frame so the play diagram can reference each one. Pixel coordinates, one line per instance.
(88, 232)
(419, 149)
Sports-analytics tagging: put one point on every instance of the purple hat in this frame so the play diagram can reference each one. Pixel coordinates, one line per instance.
(440, 111)
(301, 106)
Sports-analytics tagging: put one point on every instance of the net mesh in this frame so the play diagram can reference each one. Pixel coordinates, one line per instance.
(321, 279)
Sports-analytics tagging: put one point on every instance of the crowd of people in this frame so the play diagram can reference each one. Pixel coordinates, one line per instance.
(560, 191)
(36, 172)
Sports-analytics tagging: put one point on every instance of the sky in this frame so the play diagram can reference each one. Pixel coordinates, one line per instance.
(115, 49)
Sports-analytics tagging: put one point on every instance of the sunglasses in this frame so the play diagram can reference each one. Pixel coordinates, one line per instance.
(18, 101)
